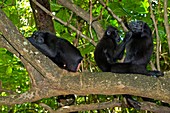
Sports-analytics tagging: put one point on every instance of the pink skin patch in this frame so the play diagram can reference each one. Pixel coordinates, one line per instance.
(78, 67)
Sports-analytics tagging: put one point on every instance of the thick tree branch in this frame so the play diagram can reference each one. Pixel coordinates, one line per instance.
(30, 68)
(23, 49)
(43, 21)
(97, 106)
(152, 107)
(94, 106)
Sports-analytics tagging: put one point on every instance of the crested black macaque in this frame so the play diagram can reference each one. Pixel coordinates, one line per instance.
(139, 49)
(59, 50)
(106, 46)
(107, 51)
(138, 43)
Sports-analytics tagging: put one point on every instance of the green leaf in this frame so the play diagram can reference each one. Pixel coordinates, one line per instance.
(9, 70)
(89, 48)
(63, 14)
(54, 6)
(68, 37)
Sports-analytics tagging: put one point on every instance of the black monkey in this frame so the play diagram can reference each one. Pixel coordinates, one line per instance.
(107, 50)
(108, 44)
(139, 47)
(138, 51)
(59, 50)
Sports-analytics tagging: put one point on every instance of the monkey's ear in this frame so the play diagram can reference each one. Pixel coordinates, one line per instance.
(108, 32)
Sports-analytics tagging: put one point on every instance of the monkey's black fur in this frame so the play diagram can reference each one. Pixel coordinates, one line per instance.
(138, 51)
(59, 50)
(107, 50)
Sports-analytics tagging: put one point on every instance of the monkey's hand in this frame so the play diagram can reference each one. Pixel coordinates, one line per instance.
(108, 56)
(127, 36)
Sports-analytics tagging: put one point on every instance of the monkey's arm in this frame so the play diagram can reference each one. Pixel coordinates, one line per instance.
(43, 48)
(118, 54)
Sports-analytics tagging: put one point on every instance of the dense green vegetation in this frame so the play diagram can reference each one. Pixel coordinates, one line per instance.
(14, 76)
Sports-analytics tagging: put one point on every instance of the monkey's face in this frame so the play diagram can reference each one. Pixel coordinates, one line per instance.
(139, 27)
(112, 33)
(38, 37)
(136, 26)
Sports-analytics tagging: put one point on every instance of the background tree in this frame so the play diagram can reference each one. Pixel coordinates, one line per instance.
(82, 22)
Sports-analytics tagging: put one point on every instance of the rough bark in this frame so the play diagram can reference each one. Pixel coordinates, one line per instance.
(43, 21)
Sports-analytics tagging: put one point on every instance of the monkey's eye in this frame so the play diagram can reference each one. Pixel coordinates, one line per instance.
(108, 33)
(40, 40)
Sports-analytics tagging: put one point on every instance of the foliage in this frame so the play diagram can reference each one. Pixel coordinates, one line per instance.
(15, 77)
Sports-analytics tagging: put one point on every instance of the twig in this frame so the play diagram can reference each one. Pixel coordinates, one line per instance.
(94, 106)
(157, 37)
(47, 107)
(152, 65)
(149, 106)
(114, 16)
(64, 23)
(3, 5)
(166, 24)
(152, 107)
(7, 91)
(83, 14)
(91, 19)
(68, 22)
